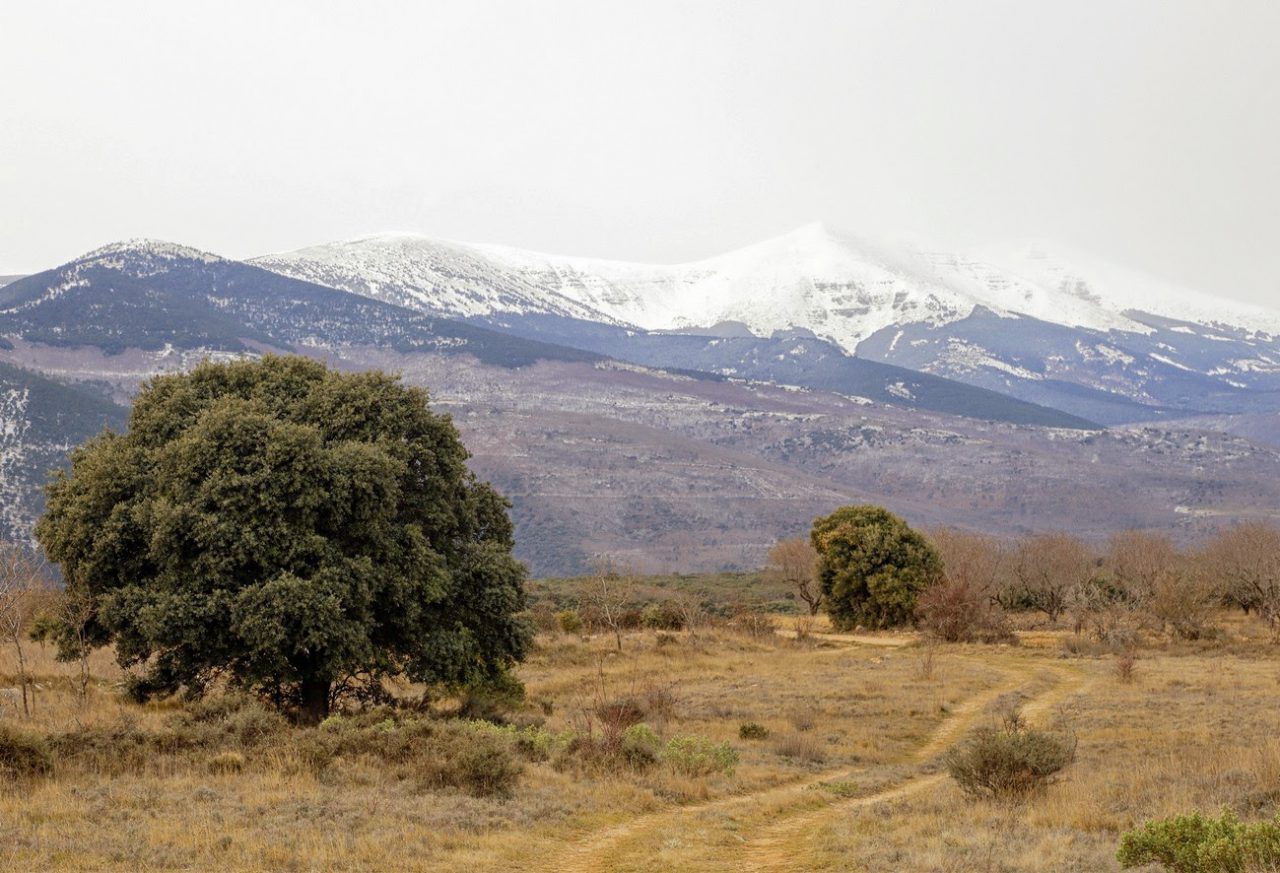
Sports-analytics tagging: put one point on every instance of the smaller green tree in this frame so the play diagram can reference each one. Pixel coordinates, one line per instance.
(871, 566)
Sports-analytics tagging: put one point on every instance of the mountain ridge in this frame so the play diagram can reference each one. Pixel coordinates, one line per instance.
(1130, 343)
(1018, 271)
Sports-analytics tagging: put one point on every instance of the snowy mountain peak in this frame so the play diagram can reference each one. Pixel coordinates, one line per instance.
(842, 287)
(147, 248)
(1082, 276)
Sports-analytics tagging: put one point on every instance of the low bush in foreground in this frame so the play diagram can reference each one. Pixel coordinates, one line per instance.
(1199, 844)
(1008, 762)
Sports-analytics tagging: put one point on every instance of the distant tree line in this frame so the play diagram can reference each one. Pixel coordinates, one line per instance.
(867, 568)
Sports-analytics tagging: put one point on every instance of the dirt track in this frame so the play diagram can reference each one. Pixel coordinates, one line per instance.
(794, 809)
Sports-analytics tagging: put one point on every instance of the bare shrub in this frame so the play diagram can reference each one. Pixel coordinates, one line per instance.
(800, 747)
(1138, 559)
(803, 627)
(659, 700)
(804, 717)
(1160, 585)
(1123, 666)
(73, 611)
(1104, 610)
(1247, 559)
(1010, 761)
(751, 622)
(964, 605)
(794, 562)
(601, 726)
(956, 612)
(544, 618)
(928, 660)
(608, 593)
(692, 615)
(1184, 598)
(1049, 567)
(21, 584)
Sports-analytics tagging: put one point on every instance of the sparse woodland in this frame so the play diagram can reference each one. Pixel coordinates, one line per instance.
(876, 697)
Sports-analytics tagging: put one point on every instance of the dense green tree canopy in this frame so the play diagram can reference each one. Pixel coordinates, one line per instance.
(288, 527)
(871, 566)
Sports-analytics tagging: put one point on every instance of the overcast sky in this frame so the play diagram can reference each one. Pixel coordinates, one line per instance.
(1148, 132)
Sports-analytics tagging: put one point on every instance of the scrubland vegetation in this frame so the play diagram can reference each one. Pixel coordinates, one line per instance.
(715, 738)
(291, 635)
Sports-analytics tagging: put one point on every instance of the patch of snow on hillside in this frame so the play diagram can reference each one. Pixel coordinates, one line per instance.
(960, 355)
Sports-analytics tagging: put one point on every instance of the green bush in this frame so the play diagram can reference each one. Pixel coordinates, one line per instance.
(1009, 762)
(663, 615)
(536, 743)
(641, 745)
(476, 757)
(699, 756)
(752, 731)
(1198, 844)
(239, 718)
(23, 755)
(871, 567)
(493, 699)
(474, 760)
(570, 621)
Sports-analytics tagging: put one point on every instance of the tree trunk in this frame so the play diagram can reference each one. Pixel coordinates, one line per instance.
(315, 699)
(22, 679)
(84, 674)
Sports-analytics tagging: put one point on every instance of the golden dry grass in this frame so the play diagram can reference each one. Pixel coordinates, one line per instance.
(847, 780)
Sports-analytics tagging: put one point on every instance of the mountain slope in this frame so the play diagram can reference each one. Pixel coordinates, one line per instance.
(796, 359)
(1081, 335)
(152, 295)
(40, 420)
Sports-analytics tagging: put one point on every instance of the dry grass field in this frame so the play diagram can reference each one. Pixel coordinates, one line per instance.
(848, 777)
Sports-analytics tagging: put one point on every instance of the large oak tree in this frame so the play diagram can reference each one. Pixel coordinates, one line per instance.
(288, 527)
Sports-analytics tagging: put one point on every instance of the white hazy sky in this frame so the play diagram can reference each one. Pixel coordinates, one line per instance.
(1148, 132)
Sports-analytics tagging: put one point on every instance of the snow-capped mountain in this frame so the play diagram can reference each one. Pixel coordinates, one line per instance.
(150, 295)
(841, 287)
(1072, 274)
(1034, 320)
